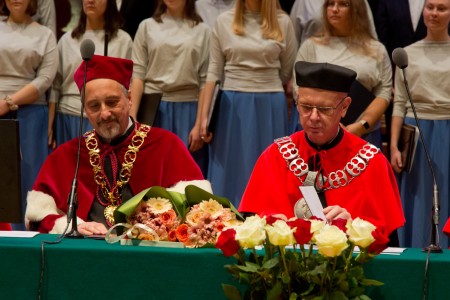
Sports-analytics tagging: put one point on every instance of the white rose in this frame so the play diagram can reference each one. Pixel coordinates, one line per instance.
(316, 227)
(251, 233)
(280, 234)
(360, 232)
(331, 241)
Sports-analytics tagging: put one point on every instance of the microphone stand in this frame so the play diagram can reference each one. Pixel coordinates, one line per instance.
(73, 199)
(433, 247)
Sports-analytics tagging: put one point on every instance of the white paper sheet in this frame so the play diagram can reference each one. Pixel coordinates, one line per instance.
(19, 234)
(313, 201)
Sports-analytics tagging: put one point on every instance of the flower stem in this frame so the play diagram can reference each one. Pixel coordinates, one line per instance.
(282, 249)
(256, 257)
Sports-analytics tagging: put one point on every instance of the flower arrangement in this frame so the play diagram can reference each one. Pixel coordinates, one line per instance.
(302, 259)
(194, 219)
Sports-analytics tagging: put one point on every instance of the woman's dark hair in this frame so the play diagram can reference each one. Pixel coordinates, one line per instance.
(113, 21)
(31, 9)
(190, 12)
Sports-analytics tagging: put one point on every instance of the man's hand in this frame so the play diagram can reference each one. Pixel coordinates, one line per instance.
(91, 228)
(336, 212)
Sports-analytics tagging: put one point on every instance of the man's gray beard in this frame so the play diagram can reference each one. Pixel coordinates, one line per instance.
(109, 133)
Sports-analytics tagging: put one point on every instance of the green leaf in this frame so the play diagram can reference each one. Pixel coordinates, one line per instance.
(337, 295)
(231, 292)
(273, 262)
(127, 208)
(285, 277)
(249, 267)
(371, 282)
(195, 195)
(275, 292)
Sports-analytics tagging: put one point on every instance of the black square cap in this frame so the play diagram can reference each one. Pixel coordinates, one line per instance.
(324, 76)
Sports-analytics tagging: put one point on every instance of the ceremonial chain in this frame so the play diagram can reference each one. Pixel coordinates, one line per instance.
(336, 179)
(113, 194)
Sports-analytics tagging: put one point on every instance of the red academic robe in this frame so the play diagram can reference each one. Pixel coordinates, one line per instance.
(5, 226)
(373, 195)
(162, 160)
(446, 228)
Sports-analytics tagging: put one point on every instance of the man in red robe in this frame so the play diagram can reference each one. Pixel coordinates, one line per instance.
(352, 178)
(118, 159)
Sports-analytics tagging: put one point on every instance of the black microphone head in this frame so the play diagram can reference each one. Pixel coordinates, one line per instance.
(87, 49)
(400, 58)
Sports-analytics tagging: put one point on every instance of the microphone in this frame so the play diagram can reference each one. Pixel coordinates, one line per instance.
(400, 59)
(87, 50)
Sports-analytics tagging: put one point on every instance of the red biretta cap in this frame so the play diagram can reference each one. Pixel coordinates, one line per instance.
(98, 67)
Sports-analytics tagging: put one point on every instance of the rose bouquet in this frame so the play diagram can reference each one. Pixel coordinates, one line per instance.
(302, 259)
(194, 219)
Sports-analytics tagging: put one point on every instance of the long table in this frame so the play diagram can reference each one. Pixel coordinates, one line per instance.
(94, 269)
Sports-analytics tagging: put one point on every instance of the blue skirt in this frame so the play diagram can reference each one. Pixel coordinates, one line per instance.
(33, 130)
(179, 118)
(416, 188)
(68, 127)
(294, 121)
(247, 124)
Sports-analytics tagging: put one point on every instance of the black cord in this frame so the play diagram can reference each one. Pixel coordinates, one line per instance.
(425, 277)
(41, 274)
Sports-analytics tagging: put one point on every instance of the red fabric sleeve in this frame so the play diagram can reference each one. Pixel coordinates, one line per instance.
(5, 226)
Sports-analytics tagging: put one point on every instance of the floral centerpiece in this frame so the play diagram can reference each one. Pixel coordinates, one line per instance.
(302, 259)
(194, 219)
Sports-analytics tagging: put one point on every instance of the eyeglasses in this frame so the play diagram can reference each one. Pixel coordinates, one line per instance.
(340, 4)
(328, 111)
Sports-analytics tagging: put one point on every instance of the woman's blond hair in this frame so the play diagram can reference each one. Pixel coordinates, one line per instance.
(360, 37)
(269, 14)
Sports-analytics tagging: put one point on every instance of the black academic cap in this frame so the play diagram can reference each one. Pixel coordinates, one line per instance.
(324, 76)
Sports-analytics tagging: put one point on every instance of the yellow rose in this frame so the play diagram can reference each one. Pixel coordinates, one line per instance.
(251, 233)
(360, 232)
(331, 241)
(316, 227)
(193, 217)
(280, 234)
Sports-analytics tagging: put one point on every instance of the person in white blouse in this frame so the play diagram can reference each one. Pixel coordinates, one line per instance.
(428, 77)
(99, 21)
(306, 15)
(170, 54)
(253, 51)
(28, 59)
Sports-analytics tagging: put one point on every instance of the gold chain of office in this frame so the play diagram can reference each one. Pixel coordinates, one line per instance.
(336, 179)
(113, 196)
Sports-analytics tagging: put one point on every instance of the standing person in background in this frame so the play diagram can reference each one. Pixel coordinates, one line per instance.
(253, 49)
(45, 14)
(428, 77)
(209, 10)
(29, 59)
(399, 24)
(306, 16)
(99, 21)
(346, 40)
(134, 12)
(170, 54)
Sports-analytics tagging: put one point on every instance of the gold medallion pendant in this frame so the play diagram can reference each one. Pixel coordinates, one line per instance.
(109, 213)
